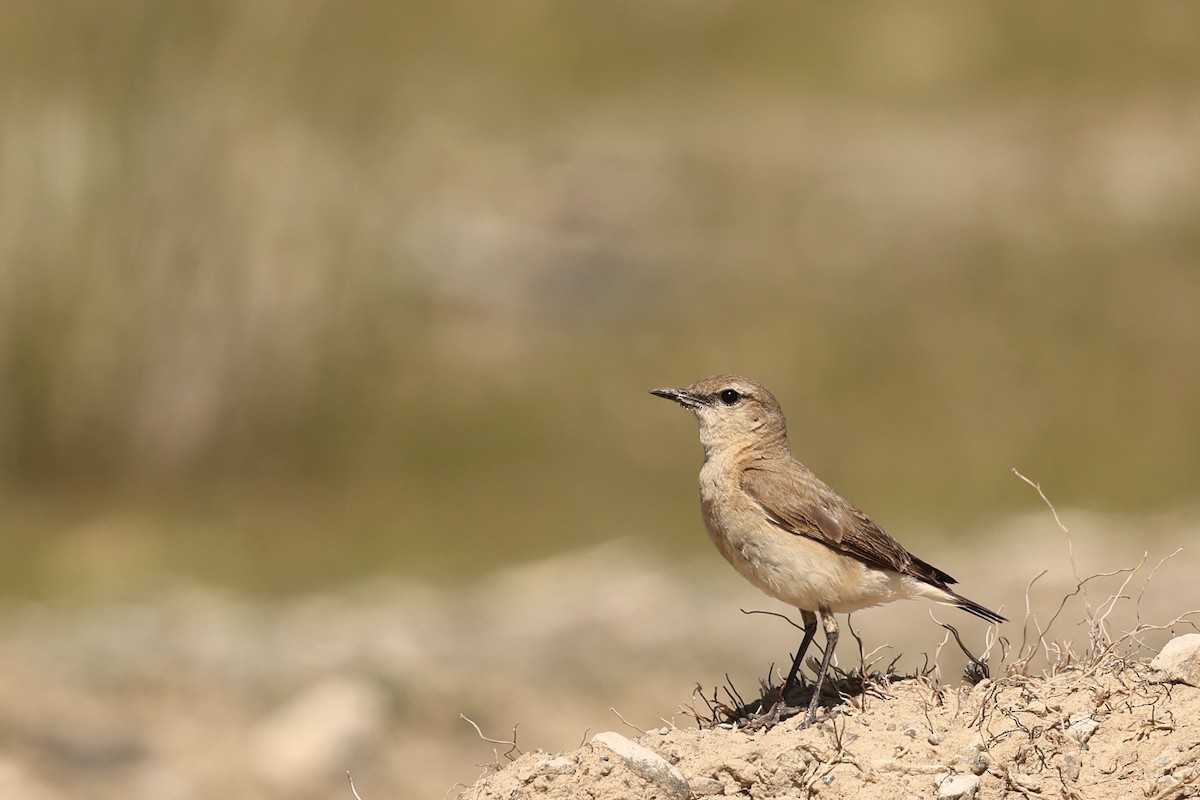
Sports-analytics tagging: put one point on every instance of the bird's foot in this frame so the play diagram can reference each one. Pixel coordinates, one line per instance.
(770, 716)
(776, 713)
(811, 717)
(764, 721)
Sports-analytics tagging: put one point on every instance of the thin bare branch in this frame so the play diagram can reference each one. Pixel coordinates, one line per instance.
(626, 722)
(784, 617)
(1038, 488)
(512, 743)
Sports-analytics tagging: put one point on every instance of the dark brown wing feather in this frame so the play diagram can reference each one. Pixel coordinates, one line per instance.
(800, 503)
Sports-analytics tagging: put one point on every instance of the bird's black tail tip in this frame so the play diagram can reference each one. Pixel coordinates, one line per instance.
(971, 607)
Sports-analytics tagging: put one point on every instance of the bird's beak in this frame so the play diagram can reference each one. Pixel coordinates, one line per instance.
(681, 396)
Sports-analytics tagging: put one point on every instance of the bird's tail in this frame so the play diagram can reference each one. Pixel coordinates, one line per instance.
(971, 607)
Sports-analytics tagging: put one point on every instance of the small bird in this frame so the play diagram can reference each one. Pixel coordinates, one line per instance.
(786, 531)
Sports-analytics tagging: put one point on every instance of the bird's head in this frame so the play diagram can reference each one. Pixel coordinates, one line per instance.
(734, 413)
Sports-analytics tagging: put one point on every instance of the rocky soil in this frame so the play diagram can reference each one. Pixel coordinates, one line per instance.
(195, 693)
(1114, 730)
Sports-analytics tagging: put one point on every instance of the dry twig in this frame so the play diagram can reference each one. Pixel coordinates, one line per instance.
(512, 743)
(626, 722)
(353, 791)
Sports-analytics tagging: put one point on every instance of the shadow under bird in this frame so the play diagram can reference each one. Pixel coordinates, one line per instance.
(784, 530)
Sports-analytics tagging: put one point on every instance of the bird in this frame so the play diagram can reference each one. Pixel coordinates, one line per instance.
(786, 531)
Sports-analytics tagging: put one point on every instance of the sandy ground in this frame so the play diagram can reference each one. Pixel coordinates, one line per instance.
(1108, 732)
(196, 694)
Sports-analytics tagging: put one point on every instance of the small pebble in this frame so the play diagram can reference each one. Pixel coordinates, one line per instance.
(1082, 727)
(706, 787)
(974, 759)
(1027, 782)
(957, 787)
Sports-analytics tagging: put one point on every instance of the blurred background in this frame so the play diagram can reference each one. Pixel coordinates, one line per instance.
(326, 330)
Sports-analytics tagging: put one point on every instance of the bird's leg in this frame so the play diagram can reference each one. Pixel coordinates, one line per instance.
(774, 715)
(810, 630)
(831, 636)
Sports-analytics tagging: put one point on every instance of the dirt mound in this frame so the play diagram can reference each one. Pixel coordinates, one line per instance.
(1114, 729)
(196, 692)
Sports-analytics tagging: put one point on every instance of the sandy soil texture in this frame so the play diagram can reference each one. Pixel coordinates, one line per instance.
(197, 693)
(1115, 730)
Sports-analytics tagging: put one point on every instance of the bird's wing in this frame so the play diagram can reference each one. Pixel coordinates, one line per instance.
(798, 502)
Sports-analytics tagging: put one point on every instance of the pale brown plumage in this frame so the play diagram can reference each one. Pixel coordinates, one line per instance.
(808, 507)
(785, 530)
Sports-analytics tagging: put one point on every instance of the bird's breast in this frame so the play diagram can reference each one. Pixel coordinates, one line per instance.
(740, 530)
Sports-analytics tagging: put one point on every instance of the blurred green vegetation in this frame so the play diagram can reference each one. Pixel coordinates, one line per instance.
(296, 292)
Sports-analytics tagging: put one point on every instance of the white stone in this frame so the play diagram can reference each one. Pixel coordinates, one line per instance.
(957, 787)
(1179, 661)
(1082, 727)
(645, 762)
(1029, 782)
(975, 759)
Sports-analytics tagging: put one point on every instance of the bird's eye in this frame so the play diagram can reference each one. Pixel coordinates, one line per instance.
(730, 397)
